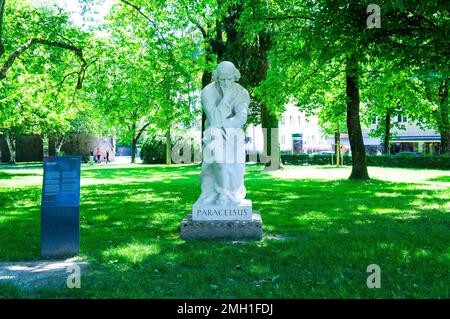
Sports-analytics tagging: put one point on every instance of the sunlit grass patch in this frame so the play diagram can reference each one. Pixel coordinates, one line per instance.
(133, 252)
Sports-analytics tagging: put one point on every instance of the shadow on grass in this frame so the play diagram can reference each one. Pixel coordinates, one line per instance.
(329, 166)
(445, 178)
(9, 291)
(167, 172)
(334, 230)
(4, 175)
(20, 166)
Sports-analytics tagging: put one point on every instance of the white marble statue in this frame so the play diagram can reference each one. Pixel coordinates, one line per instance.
(225, 104)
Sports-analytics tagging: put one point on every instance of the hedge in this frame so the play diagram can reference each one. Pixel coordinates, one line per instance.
(426, 161)
(154, 148)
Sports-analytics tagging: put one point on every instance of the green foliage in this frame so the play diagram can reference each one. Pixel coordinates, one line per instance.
(38, 95)
(154, 147)
(388, 91)
(428, 162)
(312, 40)
(147, 62)
(311, 159)
(147, 74)
(153, 150)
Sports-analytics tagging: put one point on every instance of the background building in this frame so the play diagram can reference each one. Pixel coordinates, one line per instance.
(293, 122)
(410, 139)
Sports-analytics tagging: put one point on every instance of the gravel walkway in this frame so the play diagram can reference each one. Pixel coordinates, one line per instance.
(37, 274)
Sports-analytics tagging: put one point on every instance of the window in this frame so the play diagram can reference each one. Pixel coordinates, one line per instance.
(375, 120)
(299, 120)
(402, 118)
(283, 139)
(282, 120)
(291, 119)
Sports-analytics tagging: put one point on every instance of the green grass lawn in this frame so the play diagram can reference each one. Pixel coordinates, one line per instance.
(321, 231)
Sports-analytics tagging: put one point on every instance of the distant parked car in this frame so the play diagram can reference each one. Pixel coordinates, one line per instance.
(408, 154)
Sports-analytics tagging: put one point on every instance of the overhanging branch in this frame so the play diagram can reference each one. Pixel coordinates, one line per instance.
(77, 51)
(284, 18)
(157, 29)
(2, 12)
(138, 9)
(141, 130)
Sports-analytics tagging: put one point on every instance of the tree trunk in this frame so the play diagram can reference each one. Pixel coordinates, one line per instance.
(441, 114)
(445, 143)
(337, 146)
(387, 133)
(359, 165)
(168, 143)
(206, 79)
(45, 144)
(268, 119)
(271, 148)
(52, 148)
(58, 146)
(444, 127)
(133, 150)
(217, 47)
(11, 141)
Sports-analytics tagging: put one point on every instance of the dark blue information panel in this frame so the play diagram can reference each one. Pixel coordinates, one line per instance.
(60, 210)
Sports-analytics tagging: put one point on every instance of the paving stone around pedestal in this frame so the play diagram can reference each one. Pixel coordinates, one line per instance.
(226, 229)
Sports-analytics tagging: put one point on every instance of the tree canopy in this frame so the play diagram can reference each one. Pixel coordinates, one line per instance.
(347, 61)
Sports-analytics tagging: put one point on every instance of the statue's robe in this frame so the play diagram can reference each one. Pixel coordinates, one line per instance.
(223, 144)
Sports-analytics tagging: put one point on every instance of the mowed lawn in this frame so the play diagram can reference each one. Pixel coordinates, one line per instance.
(321, 231)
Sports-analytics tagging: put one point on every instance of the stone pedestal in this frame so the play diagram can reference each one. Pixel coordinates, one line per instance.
(231, 229)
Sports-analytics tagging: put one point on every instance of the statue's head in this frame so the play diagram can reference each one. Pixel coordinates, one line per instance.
(226, 74)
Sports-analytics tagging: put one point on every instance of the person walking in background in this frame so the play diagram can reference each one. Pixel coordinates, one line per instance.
(107, 157)
(91, 157)
(99, 155)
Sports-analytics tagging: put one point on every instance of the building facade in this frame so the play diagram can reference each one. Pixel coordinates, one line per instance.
(300, 133)
(410, 139)
(295, 127)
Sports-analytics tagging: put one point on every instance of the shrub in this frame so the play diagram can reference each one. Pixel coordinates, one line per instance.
(154, 148)
(311, 159)
(407, 161)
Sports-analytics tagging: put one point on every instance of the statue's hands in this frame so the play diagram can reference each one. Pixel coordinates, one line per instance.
(228, 95)
(224, 109)
(225, 105)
